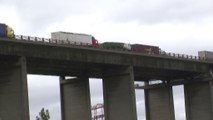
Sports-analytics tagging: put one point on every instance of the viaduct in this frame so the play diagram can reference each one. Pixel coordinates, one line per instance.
(118, 69)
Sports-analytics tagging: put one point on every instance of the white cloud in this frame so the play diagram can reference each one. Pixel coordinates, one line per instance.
(156, 11)
(9, 15)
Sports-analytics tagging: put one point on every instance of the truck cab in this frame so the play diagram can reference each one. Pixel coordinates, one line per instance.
(10, 32)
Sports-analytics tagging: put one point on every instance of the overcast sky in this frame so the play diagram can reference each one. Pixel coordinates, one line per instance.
(180, 26)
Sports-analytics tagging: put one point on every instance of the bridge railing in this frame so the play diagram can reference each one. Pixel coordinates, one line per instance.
(184, 56)
(54, 41)
(30, 38)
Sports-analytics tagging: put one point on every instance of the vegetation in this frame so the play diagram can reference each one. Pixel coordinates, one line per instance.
(43, 115)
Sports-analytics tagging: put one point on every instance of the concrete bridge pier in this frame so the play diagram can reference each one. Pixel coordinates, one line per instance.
(199, 99)
(13, 89)
(75, 99)
(159, 103)
(119, 94)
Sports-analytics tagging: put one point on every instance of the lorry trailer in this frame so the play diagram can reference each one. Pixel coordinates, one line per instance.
(205, 55)
(145, 49)
(116, 46)
(75, 38)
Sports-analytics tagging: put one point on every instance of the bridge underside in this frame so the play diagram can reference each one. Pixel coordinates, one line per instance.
(96, 70)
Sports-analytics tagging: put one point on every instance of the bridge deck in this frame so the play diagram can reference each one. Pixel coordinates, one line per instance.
(54, 59)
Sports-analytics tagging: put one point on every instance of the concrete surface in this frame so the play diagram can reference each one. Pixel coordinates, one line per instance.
(199, 100)
(159, 103)
(119, 95)
(13, 91)
(53, 59)
(75, 99)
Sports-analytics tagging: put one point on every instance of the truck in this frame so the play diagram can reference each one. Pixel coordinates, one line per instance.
(145, 49)
(74, 38)
(116, 46)
(6, 31)
(205, 55)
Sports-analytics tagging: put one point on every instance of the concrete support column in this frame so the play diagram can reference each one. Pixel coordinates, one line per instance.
(159, 103)
(75, 99)
(14, 103)
(119, 95)
(199, 100)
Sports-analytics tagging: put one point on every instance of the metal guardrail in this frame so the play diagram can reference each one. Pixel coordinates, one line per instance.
(53, 41)
(184, 56)
(36, 39)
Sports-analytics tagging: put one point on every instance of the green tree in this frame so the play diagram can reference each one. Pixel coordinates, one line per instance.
(43, 115)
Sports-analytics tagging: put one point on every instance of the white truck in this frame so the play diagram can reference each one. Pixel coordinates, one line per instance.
(205, 55)
(74, 38)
